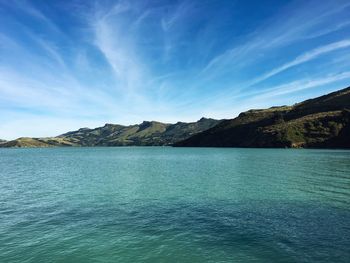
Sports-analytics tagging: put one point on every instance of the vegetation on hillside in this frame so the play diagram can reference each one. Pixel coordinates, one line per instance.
(148, 133)
(323, 122)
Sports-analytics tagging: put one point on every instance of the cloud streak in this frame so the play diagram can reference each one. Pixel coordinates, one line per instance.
(284, 29)
(129, 61)
(301, 85)
(313, 54)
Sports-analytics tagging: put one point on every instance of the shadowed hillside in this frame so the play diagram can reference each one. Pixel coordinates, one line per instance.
(322, 122)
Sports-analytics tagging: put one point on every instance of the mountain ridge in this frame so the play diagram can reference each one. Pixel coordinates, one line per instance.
(147, 133)
(322, 122)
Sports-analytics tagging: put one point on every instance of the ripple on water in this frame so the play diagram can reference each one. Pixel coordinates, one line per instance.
(174, 205)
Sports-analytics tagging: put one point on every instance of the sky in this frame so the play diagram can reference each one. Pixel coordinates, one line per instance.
(71, 64)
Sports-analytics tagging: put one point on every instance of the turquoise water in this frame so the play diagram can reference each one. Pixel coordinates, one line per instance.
(162, 204)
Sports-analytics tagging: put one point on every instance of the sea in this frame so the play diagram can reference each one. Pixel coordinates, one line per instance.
(164, 204)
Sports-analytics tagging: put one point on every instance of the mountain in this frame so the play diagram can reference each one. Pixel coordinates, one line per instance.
(323, 122)
(148, 133)
(25, 142)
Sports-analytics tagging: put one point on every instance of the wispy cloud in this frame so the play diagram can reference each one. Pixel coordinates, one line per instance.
(300, 85)
(286, 93)
(313, 54)
(50, 49)
(328, 30)
(126, 61)
(116, 34)
(29, 9)
(170, 20)
(284, 29)
(118, 48)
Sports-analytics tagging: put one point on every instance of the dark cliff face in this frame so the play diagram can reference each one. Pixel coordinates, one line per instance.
(323, 122)
(148, 133)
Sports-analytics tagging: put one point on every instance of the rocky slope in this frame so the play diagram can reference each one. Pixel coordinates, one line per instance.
(148, 133)
(323, 122)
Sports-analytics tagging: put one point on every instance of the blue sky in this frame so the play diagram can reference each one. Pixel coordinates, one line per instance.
(71, 64)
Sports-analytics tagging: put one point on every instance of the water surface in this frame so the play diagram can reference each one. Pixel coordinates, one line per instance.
(161, 204)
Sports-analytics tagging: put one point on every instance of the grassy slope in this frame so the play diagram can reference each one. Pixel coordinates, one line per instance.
(25, 142)
(146, 133)
(319, 122)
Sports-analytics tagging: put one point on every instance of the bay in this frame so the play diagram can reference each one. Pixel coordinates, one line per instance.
(163, 204)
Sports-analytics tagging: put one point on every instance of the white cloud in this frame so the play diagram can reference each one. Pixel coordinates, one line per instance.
(140, 86)
(167, 22)
(113, 37)
(119, 55)
(292, 24)
(300, 85)
(313, 54)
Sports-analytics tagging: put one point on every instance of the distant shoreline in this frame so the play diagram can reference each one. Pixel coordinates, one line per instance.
(319, 123)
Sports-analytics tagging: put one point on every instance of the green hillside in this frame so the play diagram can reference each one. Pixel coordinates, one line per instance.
(148, 133)
(322, 122)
